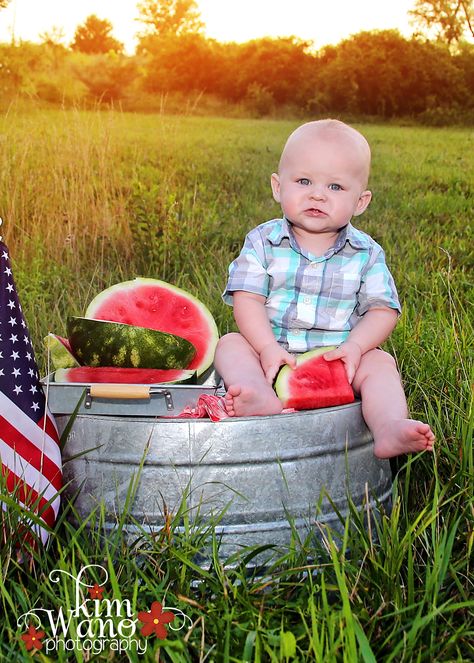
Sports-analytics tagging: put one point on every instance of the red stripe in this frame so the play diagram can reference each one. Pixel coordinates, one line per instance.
(50, 428)
(30, 453)
(29, 496)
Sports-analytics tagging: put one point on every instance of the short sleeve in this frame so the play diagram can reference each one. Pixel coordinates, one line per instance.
(377, 285)
(248, 272)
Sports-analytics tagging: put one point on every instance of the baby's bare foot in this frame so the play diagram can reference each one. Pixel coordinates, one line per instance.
(247, 401)
(403, 436)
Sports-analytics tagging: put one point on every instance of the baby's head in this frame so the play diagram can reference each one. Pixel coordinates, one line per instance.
(344, 142)
(322, 176)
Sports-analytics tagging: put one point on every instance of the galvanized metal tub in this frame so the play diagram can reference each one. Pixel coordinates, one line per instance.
(259, 471)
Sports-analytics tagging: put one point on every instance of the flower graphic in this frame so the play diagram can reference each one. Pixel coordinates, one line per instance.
(155, 620)
(32, 638)
(96, 592)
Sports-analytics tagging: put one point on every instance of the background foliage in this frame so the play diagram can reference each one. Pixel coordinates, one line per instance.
(428, 77)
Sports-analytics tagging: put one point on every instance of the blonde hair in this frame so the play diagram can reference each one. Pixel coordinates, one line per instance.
(332, 129)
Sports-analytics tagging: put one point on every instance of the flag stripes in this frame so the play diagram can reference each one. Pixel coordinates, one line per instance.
(29, 442)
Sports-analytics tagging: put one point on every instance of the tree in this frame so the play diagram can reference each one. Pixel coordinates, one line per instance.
(281, 67)
(170, 17)
(188, 62)
(94, 37)
(382, 73)
(107, 77)
(53, 37)
(53, 41)
(451, 20)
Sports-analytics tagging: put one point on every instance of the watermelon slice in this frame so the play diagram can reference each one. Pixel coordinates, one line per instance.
(114, 375)
(60, 350)
(314, 383)
(159, 305)
(103, 343)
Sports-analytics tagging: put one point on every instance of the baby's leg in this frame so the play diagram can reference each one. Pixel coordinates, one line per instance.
(385, 410)
(248, 391)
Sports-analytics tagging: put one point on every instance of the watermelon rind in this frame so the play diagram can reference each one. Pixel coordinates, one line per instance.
(61, 357)
(281, 382)
(124, 291)
(115, 375)
(104, 343)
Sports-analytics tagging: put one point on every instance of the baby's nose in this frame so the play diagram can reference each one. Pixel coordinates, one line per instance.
(317, 192)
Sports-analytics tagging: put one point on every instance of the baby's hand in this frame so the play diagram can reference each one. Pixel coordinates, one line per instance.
(272, 357)
(350, 353)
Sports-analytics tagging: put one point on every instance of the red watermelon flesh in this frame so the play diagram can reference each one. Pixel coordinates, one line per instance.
(314, 383)
(114, 375)
(159, 305)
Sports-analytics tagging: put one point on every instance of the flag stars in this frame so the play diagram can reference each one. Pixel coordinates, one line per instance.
(19, 379)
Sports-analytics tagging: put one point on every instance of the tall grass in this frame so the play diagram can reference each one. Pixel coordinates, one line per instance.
(91, 199)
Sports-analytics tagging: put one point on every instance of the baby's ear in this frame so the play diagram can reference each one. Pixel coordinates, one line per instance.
(363, 202)
(275, 182)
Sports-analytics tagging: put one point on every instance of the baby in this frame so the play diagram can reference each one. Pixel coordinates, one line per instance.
(310, 279)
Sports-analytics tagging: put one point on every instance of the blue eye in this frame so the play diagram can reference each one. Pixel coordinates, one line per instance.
(335, 187)
(304, 181)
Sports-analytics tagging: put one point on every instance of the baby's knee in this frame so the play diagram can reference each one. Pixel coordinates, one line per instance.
(230, 343)
(380, 357)
(232, 350)
(229, 340)
(376, 361)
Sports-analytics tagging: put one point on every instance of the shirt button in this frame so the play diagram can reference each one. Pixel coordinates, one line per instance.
(314, 265)
(296, 332)
(307, 300)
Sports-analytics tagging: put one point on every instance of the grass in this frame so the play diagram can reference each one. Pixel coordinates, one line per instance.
(90, 199)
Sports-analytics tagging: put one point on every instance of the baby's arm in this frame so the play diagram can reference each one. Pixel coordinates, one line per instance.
(373, 329)
(252, 321)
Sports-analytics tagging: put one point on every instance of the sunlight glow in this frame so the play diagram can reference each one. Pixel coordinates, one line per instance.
(322, 22)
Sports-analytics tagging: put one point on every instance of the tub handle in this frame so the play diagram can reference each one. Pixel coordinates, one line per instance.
(126, 391)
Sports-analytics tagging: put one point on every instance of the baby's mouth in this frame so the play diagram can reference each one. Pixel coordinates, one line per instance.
(315, 211)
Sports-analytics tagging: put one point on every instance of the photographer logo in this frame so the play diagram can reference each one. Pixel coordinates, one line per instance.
(95, 623)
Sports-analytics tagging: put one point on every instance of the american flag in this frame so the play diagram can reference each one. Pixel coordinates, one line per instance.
(29, 444)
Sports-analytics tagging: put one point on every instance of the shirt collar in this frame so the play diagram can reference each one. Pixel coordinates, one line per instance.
(356, 238)
(280, 231)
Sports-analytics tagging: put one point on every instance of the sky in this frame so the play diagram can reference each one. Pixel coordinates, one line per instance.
(320, 21)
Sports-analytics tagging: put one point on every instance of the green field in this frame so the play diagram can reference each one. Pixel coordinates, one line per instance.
(90, 199)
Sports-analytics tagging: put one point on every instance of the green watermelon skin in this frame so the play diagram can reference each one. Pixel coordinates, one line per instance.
(115, 375)
(314, 383)
(60, 351)
(159, 305)
(102, 343)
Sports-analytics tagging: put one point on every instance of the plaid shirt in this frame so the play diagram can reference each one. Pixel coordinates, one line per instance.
(312, 301)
